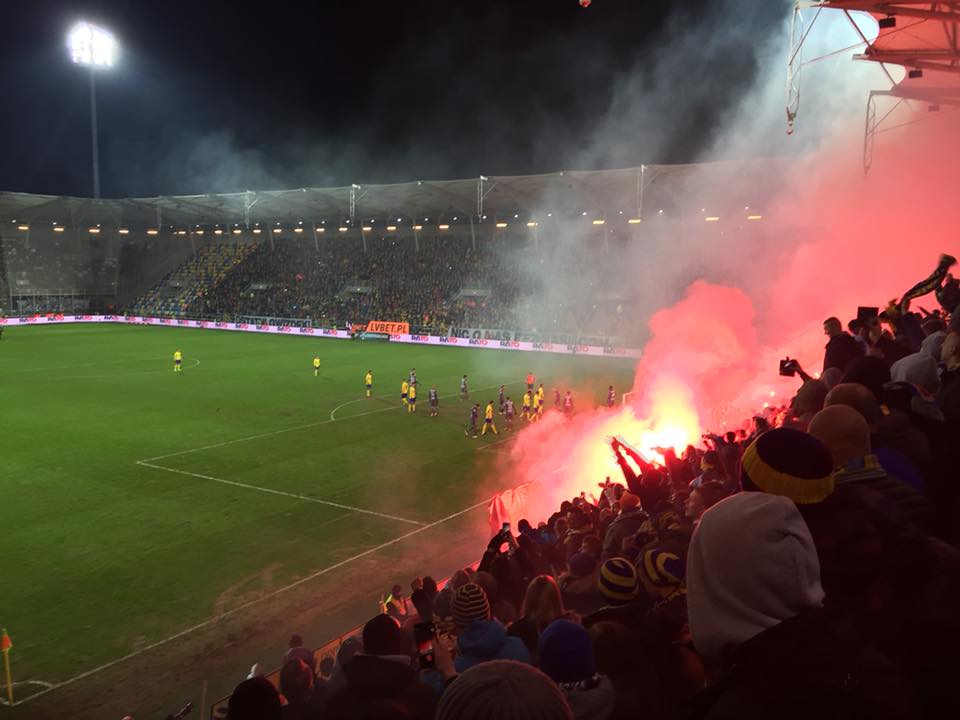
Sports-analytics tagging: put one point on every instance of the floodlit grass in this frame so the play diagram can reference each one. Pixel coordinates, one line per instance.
(101, 555)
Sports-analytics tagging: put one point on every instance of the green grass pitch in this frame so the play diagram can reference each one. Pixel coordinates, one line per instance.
(102, 555)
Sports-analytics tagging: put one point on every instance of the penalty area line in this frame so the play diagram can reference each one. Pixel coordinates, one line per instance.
(282, 493)
(249, 604)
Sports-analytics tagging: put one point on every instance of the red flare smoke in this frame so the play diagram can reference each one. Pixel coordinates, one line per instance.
(711, 361)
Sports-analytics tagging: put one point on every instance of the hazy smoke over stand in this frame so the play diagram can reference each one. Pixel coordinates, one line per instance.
(727, 304)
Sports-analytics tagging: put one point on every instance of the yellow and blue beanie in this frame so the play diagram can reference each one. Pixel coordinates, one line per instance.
(618, 581)
(662, 573)
(790, 463)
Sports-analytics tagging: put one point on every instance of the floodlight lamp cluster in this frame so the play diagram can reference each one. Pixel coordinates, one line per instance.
(92, 46)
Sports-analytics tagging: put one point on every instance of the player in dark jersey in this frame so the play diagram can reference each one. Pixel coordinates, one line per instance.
(434, 402)
(413, 376)
(474, 417)
(508, 411)
(611, 397)
(557, 400)
(500, 401)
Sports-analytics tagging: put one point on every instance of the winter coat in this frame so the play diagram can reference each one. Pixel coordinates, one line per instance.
(867, 472)
(815, 665)
(373, 681)
(626, 524)
(592, 699)
(484, 640)
(840, 351)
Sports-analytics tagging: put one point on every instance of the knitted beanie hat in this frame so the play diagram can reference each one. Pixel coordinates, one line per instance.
(661, 572)
(618, 581)
(503, 690)
(382, 636)
(566, 652)
(790, 463)
(254, 699)
(470, 603)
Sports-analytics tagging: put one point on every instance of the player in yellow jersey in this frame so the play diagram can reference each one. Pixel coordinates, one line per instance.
(316, 366)
(178, 361)
(412, 399)
(525, 406)
(488, 420)
(533, 416)
(404, 390)
(369, 382)
(538, 401)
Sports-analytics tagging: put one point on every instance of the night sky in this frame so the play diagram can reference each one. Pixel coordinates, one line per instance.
(219, 97)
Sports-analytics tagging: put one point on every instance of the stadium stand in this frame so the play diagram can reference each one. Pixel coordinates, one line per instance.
(204, 271)
(804, 565)
(432, 283)
(471, 253)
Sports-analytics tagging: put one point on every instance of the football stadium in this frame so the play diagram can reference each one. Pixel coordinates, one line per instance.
(666, 440)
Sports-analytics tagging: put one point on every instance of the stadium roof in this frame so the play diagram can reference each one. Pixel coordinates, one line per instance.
(627, 190)
(920, 36)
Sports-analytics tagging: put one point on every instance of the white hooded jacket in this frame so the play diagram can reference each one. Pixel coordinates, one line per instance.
(752, 564)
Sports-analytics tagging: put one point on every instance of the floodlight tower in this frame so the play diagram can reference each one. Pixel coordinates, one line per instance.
(96, 49)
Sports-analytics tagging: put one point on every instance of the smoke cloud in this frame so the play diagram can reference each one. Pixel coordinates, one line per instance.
(721, 302)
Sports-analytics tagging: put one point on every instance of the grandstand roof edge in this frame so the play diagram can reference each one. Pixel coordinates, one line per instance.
(503, 193)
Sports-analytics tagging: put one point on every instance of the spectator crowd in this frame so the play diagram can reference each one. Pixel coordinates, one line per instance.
(802, 566)
(419, 281)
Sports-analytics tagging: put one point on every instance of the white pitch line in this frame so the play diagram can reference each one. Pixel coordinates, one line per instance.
(351, 402)
(284, 430)
(271, 491)
(251, 603)
(498, 442)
